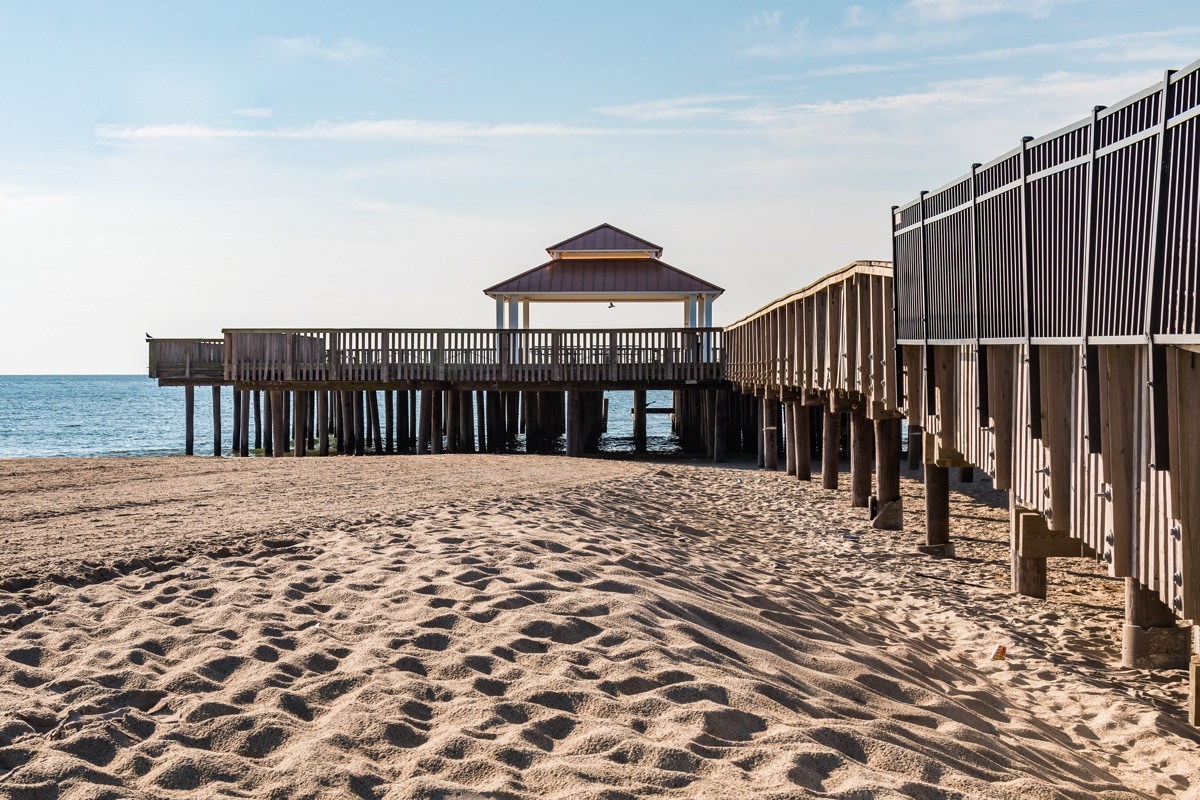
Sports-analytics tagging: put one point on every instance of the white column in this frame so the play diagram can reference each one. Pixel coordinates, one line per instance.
(513, 310)
(693, 322)
(525, 314)
(499, 313)
(686, 312)
(708, 303)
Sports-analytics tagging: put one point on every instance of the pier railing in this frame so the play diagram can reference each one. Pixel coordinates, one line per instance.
(359, 356)
(187, 360)
(1049, 314)
(832, 339)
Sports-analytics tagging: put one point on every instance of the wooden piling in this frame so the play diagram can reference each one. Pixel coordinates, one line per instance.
(347, 406)
(803, 441)
(258, 431)
(574, 423)
(237, 422)
(720, 421)
(358, 423)
(861, 455)
(916, 447)
(937, 510)
(323, 423)
(189, 420)
(831, 436)
(300, 434)
(278, 432)
(481, 419)
(770, 433)
(452, 426)
(403, 431)
(889, 510)
(389, 414)
(284, 399)
(216, 411)
(269, 426)
(437, 441)
(243, 443)
(639, 420)
(425, 426)
(789, 435)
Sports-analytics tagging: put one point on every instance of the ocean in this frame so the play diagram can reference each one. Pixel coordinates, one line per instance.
(83, 416)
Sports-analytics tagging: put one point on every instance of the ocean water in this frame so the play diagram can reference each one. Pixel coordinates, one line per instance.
(130, 415)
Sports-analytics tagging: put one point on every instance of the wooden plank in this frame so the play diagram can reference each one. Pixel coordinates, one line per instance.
(1120, 380)
(1058, 384)
(1001, 392)
(1185, 423)
(1035, 539)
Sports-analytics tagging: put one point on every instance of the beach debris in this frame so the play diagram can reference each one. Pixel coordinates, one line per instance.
(998, 653)
(850, 537)
(739, 482)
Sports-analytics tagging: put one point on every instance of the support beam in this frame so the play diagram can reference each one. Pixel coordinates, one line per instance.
(438, 431)
(831, 441)
(216, 411)
(236, 449)
(803, 442)
(861, 455)
(300, 434)
(278, 431)
(639, 420)
(888, 509)
(425, 423)
(322, 422)
(1028, 566)
(770, 432)
(789, 436)
(574, 423)
(189, 420)
(243, 444)
(269, 426)
(1150, 638)
(937, 512)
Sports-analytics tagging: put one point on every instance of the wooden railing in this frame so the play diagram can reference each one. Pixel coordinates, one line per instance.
(833, 336)
(474, 356)
(198, 360)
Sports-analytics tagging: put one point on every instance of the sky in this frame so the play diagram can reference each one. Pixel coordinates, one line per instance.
(176, 169)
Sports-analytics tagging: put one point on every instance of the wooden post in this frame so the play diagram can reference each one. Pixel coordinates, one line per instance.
(770, 433)
(639, 420)
(389, 414)
(437, 440)
(299, 434)
(237, 422)
(937, 511)
(258, 428)
(916, 447)
(831, 440)
(759, 422)
(278, 433)
(1028, 570)
(481, 419)
(534, 426)
(574, 426)
(244, 413)
(720, 419)
(887, 512)
(452, 426)
(425, 425)
(466, 421)
(861, 446)
(347, 406)
(403, 431)
(284, 398)
(356, 423)
(269, 427)
(311, 404)
(966, 474)
(216, 393)
(803, 442)
(323, 422)
(189, 420)
(789, 436)
(512, 402)
(1150, 638)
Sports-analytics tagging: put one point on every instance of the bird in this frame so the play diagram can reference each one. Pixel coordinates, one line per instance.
(148, 336)
(610, 305)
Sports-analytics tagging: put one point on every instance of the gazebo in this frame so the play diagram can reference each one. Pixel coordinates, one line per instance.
(604, 265)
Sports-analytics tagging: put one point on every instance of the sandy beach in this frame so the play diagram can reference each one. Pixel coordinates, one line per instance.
(537, 627)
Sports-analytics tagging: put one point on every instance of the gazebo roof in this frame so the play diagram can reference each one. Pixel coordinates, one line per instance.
(601, 264)
(604, 238)
(600, 278)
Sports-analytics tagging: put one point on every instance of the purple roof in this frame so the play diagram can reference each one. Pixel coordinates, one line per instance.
(604, 276)
(605, 238)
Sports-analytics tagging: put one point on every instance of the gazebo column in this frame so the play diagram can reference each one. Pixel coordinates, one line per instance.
(708, 304)
(693, 317)
(499, 313)
(525, 314)
(513, 310)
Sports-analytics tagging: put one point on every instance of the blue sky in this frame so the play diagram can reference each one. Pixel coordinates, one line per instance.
(179, 169)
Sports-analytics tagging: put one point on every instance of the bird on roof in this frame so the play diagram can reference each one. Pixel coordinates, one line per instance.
(148, 336)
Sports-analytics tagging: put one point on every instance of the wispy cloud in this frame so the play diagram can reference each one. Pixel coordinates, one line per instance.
(954, 10)
(713, 105)
(371, 130)
(1171, 46)
(768, 35)
(342, 51)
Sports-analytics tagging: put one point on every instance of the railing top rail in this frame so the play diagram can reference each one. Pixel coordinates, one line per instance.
(883, 268)
(186, 340)
(471, 330)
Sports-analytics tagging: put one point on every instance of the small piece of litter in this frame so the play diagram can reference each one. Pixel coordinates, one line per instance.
(850, 536)
(998, 653)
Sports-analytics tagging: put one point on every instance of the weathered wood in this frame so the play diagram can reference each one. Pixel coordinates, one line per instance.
(278, 429)
(770, 433)
(889, 509)
(269, 427)
(1121, 374)
(481, 420)
(639, 420)
(720, 420)
(358, 422)
(831, 436)
(1035, 539)
(966, 474)
(1001, 375)
(323, 423)
(286, 407)
(861, 456)
(389, 415)
(574, 423)
(258, 431)
(348, 428)
(438, 433)
(243, 444)
(916, 447)
(1184, 420)
(189, 420)
(937, 506)
(237, 422)
(1028, 571)
(425, 424)
(452, 421)
(1058, 383)
(299, 434)
(216, 413)
(803, 442)
(789, 435)
(403, 428)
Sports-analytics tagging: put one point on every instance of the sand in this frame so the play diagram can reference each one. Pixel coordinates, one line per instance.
(529, 627)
